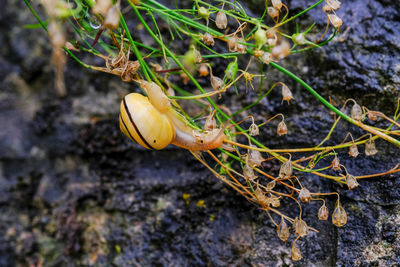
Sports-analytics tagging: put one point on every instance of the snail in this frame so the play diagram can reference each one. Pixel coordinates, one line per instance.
(153, 123)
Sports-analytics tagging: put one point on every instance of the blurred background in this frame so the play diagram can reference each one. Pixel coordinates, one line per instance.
(74, 191)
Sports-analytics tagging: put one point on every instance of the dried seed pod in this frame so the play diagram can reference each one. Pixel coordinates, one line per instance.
(335, 20)
(208, 39)
(335, 163)
(331, 5)
(185, 78)
(370, 148)
(241, 48)
(295, 253)
(221, 21)
(283, 230)
(356, 112)
(204, 13)
(282, 128)
(304, 195)
(274, 201)
(260, 37)
(277, 4)
(286, 93)
(261, 198)
(271, 33)
(102, 7)
(248, 172)
(351, 181)
(258, 53)
(203, 70)
(372, 115)
(216, 83)
(253, 130)
(353, 151)
(266, 58)
(232, 43)
(271, 185)
(300, 227)
(254, 157)
(286, 169)
(339, 216)
(273, 12)
(281, 51)
(323, 213)
(112, 18)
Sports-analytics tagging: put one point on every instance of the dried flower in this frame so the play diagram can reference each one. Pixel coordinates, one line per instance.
(277, 4)
(282, 128)
(286, 169)
(232, 43)
(248, 172)
(112, 19)
(283, 230)
(258, 53)
(356, 112)
(339, 216)
(323, 213)
(372, 115)
(185, 78)
(221, 21)
(253, 129)
(295, 253)
(274, 201)
(335, 20)
(216, 83)
(241, 48)
(254, 157)
(351, 181)
(300, 227)
(266, 58)
(281, 51)
(353, 151)
(304, 195)
(286, 93)
(335, 163)
(331, 5)
(102, 7)
(203, 70)
(370, 148)
(208, 39)
(273, 12)
(270, 185)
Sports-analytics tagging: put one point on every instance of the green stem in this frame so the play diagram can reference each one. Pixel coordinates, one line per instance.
(36, 15)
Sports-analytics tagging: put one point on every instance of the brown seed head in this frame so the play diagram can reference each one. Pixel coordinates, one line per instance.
(304, 195)
(323, 213)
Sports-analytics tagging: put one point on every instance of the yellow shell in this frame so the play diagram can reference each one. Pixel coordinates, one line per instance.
(142, 122)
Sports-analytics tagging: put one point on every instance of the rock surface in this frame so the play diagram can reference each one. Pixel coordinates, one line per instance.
(74, 191)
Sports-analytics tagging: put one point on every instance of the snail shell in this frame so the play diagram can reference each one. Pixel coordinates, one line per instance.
(142, 122)
(154, 124)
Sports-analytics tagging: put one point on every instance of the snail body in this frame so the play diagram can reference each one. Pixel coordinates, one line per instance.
(154, 124)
